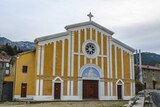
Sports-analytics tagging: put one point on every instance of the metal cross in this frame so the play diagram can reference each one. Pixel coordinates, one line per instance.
(90, 16)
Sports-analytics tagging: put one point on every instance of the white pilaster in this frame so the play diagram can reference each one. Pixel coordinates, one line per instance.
(130, 62)
(85, 37)
(72, 53)
(96, 35)
(131, 88)
(68, 87)
(90, 39)
(111, 86)
(41, 87)
(116, 61)
(62, 65)
(102, 61)
(133, 71)
(108, 63)
(38, 60)
(42, 61)
(69, 55)
(72, 88)
(109, 94)
(79, 44)
(122, 64)
(54, 59)
(110, 57)
(37, 87)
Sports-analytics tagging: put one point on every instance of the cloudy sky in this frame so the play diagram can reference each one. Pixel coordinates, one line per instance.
(135, 22)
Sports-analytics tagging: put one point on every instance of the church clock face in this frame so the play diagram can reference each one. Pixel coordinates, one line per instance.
(90, 49)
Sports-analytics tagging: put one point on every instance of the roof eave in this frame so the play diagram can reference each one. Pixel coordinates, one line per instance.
(89, 23)
(50, 37)
(123, 44)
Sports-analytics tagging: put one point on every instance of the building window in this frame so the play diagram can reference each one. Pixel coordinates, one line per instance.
(7, 73)
(90, 49)
(24, 69)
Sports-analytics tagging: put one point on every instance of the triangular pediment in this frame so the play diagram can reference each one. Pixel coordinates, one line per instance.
(83, 24)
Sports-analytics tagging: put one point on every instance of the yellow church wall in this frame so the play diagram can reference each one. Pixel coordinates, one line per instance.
(119, 65)
(126, 65)
(106, 88)
(66, 58)
(65, 87)
(58, 58)
(99, 41)
(75, 65)
(105, 67)
(75, 82)
(127, 91)
(94, 61)
(25, 59)
(104, 44)
(75, 41)
(87, 60)
(48, 59)
(113, 61)
(88, 33)
(93, 34)
(81, 60)
(82, 38)
(99, 62)
(47, 87)
(114, 88)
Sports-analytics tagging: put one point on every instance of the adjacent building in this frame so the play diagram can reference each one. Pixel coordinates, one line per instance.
(4, 72)
(151, 77)
(84, 62)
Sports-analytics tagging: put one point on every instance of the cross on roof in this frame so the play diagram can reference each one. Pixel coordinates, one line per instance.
(90, 16)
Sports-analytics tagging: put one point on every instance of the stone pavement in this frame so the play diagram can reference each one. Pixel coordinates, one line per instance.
(156, 98)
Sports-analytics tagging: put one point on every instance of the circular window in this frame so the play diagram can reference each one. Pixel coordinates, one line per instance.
(90, 49)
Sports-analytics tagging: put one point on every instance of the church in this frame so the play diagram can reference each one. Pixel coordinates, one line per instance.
(84, 62)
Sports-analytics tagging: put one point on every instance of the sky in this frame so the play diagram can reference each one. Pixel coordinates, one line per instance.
(134, 22)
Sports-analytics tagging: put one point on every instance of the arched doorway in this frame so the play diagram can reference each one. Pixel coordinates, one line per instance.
(57, 85)
(90, 82)
(120, 89)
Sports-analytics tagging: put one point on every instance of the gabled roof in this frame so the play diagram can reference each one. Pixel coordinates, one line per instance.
(50, 36)
(123, 45)
(89, 23)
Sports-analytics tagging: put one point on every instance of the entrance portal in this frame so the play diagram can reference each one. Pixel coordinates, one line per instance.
(90, 89)
(119, 91)
(57, 91)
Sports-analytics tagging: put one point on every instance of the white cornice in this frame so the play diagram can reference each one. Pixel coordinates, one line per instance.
(123, 45)
(50, 36)
(89, 23)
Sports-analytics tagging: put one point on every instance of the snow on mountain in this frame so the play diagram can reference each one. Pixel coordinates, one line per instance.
(23, 45)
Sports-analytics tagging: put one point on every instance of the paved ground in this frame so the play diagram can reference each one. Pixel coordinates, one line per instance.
(156, 98)
(67, 104)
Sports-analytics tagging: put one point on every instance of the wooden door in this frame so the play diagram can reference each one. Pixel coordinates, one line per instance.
(90, 89)
(23, 89)
(119, 90)
(57, 91)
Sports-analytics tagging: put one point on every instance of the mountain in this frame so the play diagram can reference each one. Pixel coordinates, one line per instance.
(148, 58)
(22, 45)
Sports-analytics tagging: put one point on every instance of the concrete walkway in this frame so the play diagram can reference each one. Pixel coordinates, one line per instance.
(139, 102)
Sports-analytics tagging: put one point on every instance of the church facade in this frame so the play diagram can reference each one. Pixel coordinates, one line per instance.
(85, 62)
